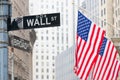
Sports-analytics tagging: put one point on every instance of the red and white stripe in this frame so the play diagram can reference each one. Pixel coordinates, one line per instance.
(87, 51)
(113, 74)
(104, 63)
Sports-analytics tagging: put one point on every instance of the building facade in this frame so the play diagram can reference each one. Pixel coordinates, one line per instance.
(91, 9)
(53, 40)
(65, 65)
(100, 12)
(19, 8)
(116, 20)
(20, 61)
(116, 16)
(116, 24)
(106, 16)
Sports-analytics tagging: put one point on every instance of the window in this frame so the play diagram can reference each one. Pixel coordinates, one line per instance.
(101, 13)
(53, 57)
(36, 69)
(104, 11)
(36, 76)
(42, 70)
(53, 45)
(118, 31)
(36, 63)
(47, 45)
(53, 64)
(67, 38)
(52, 6)
(47, 6)
(104, 22)
(118, 2)
(53, 77)
(46, 31)
(53, 52)
(119, 23)
(101, 2)
(47, 76)
(36, 51)
(53, 70)
(42, 57)
(101, 23)
(53, 38)
(47, 57)
(57, 48)
(36, 44)
(116, 13)
(67, 46)
(104, 1)
(42, 51)
(41, 37)
(42, 77)
(47, 70)
(113, 21)
(36, 56)
(66, 22)
(47, 38)
(57, 52)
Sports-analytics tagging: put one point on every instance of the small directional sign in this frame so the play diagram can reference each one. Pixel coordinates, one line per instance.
(19, 43)
(35, 21)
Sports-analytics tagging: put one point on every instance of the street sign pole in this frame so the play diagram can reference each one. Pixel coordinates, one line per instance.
(12, 58)
(4, 13)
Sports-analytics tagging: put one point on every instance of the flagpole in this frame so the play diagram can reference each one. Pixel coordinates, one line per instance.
(74, 34)
(73, 22)
(75, 27)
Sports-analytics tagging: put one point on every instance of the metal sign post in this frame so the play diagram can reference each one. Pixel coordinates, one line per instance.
(12, 58)
(4, 13)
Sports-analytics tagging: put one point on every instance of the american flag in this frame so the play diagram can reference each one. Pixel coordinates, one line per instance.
(89, 38)
(106, 66)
